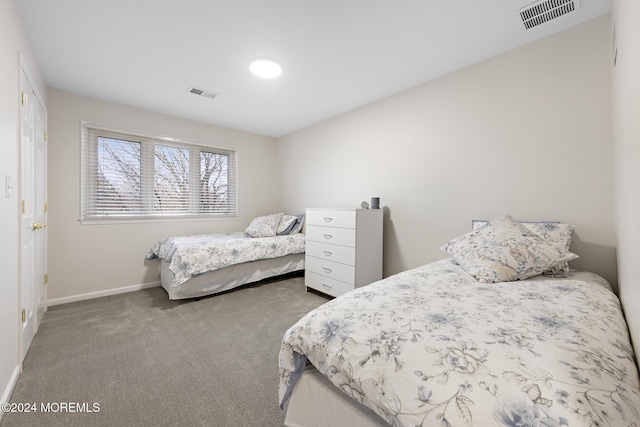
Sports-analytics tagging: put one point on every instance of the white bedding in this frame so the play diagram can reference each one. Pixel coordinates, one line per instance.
(433, 346)
(191, 255)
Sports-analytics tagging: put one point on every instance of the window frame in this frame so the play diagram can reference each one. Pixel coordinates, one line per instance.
(88, 141)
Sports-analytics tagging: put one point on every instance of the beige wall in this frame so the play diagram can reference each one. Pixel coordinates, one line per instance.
(626, 130)
(13, 43)
(526, 133)
(89, 259)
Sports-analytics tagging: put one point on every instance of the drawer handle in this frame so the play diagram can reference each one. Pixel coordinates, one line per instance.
(327, 287)
(328, 219)
(327, 253)
(328, 236)
(327, 270)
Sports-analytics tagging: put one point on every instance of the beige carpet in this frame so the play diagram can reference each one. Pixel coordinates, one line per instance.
(142, 360)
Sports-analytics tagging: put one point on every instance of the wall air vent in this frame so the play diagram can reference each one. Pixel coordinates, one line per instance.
(201, 92)
(544, 11)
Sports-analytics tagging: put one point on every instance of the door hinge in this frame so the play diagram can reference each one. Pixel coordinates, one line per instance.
(45, 280)
(22, 208)
(24, 315)
(45, 136)
(46, 207)
(23, 98)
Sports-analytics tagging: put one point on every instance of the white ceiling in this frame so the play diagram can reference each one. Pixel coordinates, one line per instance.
(336, 55)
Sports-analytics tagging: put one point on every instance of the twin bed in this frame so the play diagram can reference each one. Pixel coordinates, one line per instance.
(206, 264)
(500, 334)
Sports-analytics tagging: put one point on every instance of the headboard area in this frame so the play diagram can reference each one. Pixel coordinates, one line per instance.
(597, 258)
(621, 272)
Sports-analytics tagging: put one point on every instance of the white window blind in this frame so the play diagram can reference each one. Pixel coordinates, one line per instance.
(128, 176)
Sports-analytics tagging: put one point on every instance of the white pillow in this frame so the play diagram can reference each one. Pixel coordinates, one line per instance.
(556, 233)
(264, 226)
(503, 250)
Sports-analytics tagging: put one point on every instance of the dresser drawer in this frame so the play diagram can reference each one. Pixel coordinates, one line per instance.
(331, 252)
(331, 218)
(335, 236)
(344, 273)
(327, 285)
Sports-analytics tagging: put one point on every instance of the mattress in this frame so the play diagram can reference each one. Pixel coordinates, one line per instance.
(192, 255)
(433, 346)
(228, 277)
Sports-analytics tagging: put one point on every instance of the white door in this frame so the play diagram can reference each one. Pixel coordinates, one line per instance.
(33, 237)
(28, 216)
(41, 208)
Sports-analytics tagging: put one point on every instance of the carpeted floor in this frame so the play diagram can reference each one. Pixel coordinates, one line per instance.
(139, 359)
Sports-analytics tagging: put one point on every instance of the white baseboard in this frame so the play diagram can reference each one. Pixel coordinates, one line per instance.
(8, 390)
(98, 294)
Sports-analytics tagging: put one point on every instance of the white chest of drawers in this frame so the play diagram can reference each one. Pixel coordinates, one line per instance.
(344, 249)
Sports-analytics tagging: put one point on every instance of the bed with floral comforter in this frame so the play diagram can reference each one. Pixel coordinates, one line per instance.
(191, 255)
(433, 346)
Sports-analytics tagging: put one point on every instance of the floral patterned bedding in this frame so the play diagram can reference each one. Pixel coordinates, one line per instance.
(190, 255)
(433, 346)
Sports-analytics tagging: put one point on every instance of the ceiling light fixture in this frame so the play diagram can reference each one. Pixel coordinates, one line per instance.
(265, 68)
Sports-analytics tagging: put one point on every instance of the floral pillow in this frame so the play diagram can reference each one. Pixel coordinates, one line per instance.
(290, 224)
(286, 224)
(503, 250)
(556, 233)
(298, 224)
(264, 226)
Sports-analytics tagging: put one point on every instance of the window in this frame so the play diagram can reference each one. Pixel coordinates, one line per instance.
(127, 176)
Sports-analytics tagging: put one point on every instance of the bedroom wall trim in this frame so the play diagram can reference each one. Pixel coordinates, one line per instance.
(100, 294)
(6, 395)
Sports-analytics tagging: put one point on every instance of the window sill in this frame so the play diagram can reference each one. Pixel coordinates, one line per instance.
(154, 219)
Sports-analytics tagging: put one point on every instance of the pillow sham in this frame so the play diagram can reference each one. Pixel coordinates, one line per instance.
(298, 224)
(556, 233)
(293, 227)
(286, 224)
(264, 226)
(503, 250)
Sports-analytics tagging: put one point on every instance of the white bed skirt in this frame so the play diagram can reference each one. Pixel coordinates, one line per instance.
(229, 277)
(315, 402)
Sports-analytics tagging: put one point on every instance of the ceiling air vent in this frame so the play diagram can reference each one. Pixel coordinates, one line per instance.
(544, 11)
(202, 92)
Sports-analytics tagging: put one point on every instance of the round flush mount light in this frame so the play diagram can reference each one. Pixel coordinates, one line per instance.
(265, 68)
